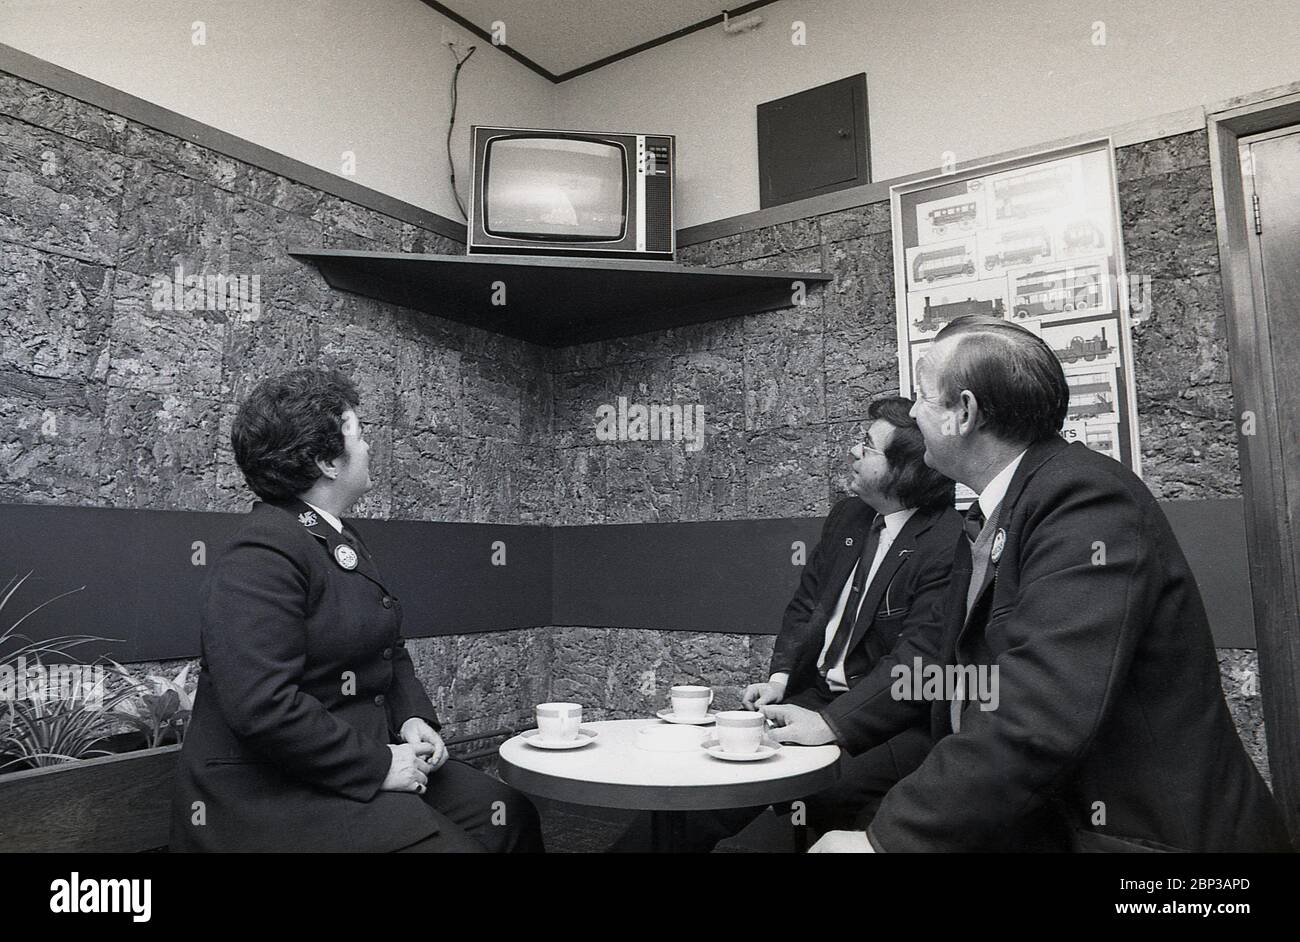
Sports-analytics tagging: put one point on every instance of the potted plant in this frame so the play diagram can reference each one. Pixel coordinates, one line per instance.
(62, 788)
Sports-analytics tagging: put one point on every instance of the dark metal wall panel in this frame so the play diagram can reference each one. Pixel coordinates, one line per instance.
(814, 142)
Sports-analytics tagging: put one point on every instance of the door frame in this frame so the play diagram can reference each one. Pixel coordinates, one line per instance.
(1272, 575)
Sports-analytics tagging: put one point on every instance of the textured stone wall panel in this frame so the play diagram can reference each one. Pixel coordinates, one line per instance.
(1165, 155)
(51, 435)
(794, 393)
(56, 314)
(170, 221)
(427, 386)
(581, 484)
(61, 114)
(59, 194)
(427, 481)
(159, 450)
(1239, 674)
(855, 223)
(786, 469)
(1169, 225)
(175, 352)
(583, 668)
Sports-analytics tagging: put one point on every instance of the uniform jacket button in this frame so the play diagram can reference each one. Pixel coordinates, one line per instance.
(388, 601)
(380, 699)
(388, 654)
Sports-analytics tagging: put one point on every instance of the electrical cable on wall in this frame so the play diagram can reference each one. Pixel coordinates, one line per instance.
(451, 164)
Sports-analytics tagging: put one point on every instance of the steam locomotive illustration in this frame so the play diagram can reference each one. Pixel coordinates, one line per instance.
(1090, 395)
(1078, 288)
(934, 316)
(1020, 248)
(961, 216)
(942, 263)
(1031, 194)
(1087, 350)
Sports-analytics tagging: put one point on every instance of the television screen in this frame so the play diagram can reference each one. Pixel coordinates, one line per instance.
(555, 188)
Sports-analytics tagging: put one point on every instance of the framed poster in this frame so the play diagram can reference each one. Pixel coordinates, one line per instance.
(1036, 241)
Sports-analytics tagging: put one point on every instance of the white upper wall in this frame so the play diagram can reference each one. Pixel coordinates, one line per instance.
(307, 78)
(974, 78)
(314, 78)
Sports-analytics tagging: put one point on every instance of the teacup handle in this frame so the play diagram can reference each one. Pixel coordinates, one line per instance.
(710, 703)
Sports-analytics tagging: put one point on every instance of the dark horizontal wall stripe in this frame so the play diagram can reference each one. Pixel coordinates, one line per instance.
(64, 81)
(141, 584)
(731, 576)
(735, 576)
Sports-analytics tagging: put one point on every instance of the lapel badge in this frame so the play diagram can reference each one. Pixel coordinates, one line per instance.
(848, 541)
(346, 556)
(999, 541)
(308, 518)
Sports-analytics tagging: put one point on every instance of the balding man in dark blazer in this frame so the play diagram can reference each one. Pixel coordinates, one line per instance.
(1081, 705)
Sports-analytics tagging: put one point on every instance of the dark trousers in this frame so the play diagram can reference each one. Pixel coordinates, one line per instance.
(477, 814)
(849, 804)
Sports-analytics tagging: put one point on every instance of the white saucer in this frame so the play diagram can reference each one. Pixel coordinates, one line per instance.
(763, 751)
(669, 717)
(585, 736)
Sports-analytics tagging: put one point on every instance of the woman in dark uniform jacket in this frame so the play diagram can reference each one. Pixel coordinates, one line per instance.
(310, 730)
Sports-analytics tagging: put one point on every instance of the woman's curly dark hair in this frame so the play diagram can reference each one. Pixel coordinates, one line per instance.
(285, 424)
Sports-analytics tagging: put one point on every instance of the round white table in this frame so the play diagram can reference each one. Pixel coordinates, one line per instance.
(663, 769)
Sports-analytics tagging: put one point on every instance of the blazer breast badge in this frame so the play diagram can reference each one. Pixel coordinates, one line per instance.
(999, 541)
(346, 556)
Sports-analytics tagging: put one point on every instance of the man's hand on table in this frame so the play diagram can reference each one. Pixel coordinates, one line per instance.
(416, 731)
(758, 695)
(843, 842)
(797, 725)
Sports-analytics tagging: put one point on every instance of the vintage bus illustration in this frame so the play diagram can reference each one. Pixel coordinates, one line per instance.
(1022, 247)
(936, 264)
(934, 316)
(1051, 291)
(961, 216)
(1032, 193)
(1091, 394)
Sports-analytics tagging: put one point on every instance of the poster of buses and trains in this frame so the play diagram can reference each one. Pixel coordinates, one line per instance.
(1034, 241)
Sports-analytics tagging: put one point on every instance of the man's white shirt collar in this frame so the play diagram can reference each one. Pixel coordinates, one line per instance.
(895, 521)
(992, 495)
(329, 517)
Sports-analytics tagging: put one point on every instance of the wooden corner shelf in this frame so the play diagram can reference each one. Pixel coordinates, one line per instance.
(557, 302)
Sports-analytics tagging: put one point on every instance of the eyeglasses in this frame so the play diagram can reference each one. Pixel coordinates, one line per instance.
(861, 449)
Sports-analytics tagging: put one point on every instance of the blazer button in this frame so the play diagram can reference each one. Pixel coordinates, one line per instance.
(388, 654)
(380, 700)
(388, 601)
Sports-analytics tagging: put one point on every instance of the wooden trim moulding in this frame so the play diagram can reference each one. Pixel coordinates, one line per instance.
(1274, 585)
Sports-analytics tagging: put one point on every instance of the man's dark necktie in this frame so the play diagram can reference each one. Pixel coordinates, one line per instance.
(974, 522)
(849, 617)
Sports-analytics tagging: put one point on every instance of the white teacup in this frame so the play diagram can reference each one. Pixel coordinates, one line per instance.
(559, 722)
(691, 702)
(740, 730)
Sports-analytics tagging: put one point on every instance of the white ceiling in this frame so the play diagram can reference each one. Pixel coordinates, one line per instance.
(562, 35)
